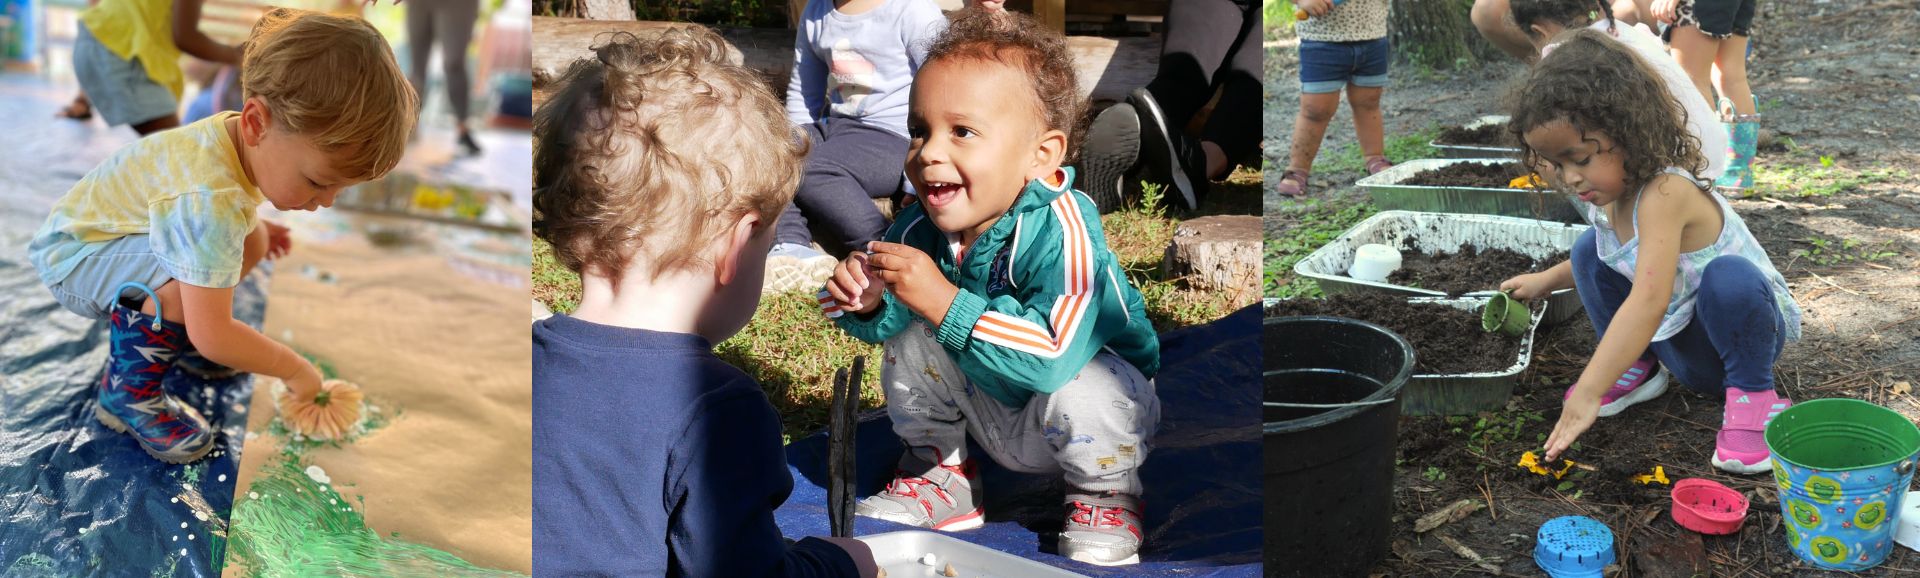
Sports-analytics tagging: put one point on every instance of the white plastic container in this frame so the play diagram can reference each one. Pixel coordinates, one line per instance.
(1908, 534)
(1374, 262)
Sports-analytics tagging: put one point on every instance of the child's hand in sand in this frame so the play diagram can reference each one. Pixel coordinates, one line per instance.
(854, 285)
(279, 239)
(1528, 286)
(916, 281)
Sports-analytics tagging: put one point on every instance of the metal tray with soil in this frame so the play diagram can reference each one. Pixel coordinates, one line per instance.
(1485, 137)
(1419, 236)
(1458, 368)
(1472, 186)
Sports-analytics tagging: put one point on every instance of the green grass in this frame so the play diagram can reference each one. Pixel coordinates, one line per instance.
(1276, 15)
(1405, 147)
(1805, 175)
(793, 350)
(1313, 224)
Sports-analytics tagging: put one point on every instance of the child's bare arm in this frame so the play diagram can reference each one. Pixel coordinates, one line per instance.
(187, 35)
(208, 314)
(1535, 285)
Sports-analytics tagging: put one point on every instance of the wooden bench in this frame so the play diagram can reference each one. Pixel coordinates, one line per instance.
(1107, 67)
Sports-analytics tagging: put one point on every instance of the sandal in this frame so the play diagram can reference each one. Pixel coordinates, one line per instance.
(1292, 184)
(1377, 164)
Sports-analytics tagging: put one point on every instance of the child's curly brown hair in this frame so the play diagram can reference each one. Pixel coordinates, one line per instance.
(1597, 84)
(1019, 41)
(647, 152)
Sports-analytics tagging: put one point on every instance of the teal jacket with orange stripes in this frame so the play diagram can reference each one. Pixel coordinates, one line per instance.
(1040, 294)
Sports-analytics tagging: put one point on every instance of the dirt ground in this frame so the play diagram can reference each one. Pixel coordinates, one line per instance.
(1838, 81)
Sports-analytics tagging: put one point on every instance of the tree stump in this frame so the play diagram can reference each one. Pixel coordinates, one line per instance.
(1217, 253)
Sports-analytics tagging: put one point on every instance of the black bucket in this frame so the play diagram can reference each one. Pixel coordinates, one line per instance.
(1331, 419)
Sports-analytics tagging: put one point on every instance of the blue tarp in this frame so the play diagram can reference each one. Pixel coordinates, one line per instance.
(77, 499)
(1202, 479)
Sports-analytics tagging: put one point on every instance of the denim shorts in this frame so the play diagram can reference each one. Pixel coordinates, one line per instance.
(119, 88)
(93, 287)
(1329, 66)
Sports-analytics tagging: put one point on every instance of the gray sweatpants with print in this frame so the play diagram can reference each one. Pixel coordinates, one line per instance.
(1095, 431)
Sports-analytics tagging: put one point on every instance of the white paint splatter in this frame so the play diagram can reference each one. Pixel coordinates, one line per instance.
(331, 502)
(253, 495)
(176, 500)
(183, 525)
(251, 435)
(83, 530)
(223, 477)
(176, 537)
(190, 537)
(183, 551)
(318, 475)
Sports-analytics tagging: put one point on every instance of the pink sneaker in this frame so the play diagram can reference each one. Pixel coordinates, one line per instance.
(1643, 380)
(1741, 447)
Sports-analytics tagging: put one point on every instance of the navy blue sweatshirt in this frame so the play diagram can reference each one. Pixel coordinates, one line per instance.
(652, 457)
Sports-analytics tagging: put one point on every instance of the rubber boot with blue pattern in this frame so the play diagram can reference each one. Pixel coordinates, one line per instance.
(1743, 141)
(132, 398)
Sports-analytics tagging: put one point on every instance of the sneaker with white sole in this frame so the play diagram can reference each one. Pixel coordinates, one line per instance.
(1102, 529)
(927, 495)
(1741, 446)
(1644, 380)
(792, 266)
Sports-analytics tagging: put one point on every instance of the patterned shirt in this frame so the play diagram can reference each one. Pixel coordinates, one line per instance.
(1349, 21)
(1734, 239)
(184, 188)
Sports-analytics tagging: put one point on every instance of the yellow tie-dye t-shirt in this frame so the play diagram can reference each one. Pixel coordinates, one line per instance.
(183, 188)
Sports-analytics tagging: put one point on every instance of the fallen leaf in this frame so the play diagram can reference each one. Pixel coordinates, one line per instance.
(1902, 387)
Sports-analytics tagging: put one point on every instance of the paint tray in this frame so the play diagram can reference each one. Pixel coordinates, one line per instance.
(899, 553)
(1574, 547)
(1471, 151)
(1389, 192)
(1442, 233)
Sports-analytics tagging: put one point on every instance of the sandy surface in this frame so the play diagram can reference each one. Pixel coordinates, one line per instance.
(441, 340)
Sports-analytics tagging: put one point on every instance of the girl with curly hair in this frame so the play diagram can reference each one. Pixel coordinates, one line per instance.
(1669, 271)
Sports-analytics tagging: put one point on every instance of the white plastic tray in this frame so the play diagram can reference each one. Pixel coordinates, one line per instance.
(899, 553)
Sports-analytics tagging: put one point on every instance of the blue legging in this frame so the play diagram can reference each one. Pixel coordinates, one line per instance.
(1734, 338)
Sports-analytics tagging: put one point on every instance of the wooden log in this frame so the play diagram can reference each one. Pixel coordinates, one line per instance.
(1107, 67)
(1217, 253)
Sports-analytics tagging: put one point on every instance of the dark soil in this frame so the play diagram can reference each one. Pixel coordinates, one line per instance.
(1469, 175)
(1492, 135)
(1445, 340)
(1471, 269)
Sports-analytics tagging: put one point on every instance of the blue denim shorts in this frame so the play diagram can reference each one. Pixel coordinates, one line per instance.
(1329, 66)
(119, 89)
(93, 287)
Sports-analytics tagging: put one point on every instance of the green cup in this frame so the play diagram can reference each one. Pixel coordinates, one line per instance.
(1505, 314)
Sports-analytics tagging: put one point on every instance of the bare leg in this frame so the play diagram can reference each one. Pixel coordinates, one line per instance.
(1316, 111)
(1730, 74)
(1629, 12)
(1368, 124)
(157, 125)
(1490, 17)
(1216, 159)
(1696, 51)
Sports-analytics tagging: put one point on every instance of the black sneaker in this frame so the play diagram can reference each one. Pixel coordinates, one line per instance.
(1112, 150)
(1170, 153)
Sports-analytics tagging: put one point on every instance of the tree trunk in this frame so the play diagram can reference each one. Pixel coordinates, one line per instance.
(1436, 33)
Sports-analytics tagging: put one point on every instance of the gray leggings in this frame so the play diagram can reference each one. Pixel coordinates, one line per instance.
(453, 21)
(1095, 431)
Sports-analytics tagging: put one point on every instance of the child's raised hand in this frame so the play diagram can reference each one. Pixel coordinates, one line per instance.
(914, 278)
(854, 285)
(1528, 286)
(1666, 10)
(279, 239)
(1314, 8)
(1576, 415)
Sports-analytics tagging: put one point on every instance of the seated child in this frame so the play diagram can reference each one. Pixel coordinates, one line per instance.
(854, 62)
(661, 170)
(1004, 314)
(1544, 19)
(1669, 269)
(173, 215)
